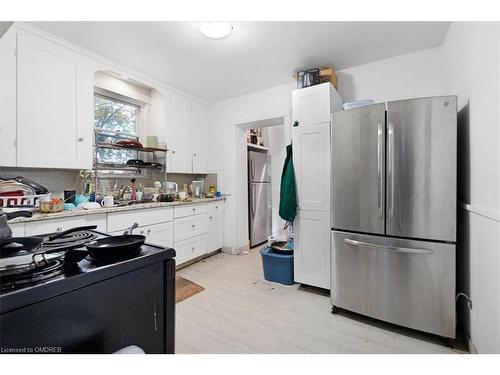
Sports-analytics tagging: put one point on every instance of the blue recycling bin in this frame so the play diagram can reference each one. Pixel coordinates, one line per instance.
(278, 267)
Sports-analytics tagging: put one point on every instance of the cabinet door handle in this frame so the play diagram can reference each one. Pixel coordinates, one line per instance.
(149, 231)
(141, 232)
(194, 154)
(173, 151)
(210, 218)
(81, 139)
(192, 248)
(194, 209)
(193, 225)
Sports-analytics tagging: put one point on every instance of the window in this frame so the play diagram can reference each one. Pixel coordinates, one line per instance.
(114, 114)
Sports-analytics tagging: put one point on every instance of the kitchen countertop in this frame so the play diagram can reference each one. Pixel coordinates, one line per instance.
(38, 216)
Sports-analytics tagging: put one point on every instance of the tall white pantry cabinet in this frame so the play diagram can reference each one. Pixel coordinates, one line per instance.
(312, 110)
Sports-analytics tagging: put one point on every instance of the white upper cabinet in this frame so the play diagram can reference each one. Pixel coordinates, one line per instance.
(188, 136)
(311, 159)
(180, 135)
(54, 128)
(8, 99)
(315, 104)
(200, 138)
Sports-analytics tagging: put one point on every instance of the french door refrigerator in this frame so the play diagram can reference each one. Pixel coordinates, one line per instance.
(259, 197)
(393, 212)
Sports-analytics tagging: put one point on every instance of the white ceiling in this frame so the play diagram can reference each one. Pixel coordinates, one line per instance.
(255, 56)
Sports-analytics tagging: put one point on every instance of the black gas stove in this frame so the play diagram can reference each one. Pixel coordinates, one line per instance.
(87, 305)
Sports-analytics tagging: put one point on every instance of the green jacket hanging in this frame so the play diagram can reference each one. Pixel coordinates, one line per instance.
(288, 193)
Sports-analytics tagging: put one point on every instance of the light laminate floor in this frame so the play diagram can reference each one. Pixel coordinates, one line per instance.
(240, 312)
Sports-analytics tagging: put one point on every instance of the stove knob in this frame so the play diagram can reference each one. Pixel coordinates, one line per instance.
(58, 229)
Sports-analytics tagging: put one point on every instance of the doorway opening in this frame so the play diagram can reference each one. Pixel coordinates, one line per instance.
(261, 152)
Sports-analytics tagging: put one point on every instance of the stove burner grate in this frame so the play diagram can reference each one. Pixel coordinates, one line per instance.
(69, 241)
(32, 276)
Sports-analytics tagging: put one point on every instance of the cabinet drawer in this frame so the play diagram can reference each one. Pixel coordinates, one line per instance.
(18, 229)
(192, 209)
(190, 249)
(187, 227)
(148, 216)
(216, 209)
(57, 225)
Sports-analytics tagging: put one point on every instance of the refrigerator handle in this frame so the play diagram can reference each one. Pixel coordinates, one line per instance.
(379, 170)
(252, 206)
(397, 249)
(252, 168)
(390, 168)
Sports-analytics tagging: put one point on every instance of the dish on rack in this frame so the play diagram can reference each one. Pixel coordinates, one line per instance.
(129, 143)
(135, 162)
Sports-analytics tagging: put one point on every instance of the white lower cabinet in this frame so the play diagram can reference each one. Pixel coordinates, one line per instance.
(190, 226)
(190, 248)
(58, 225)
(149, 216)
(192, 230)
(215, 234)
(161, 234)
(18, 229)
(312, 248)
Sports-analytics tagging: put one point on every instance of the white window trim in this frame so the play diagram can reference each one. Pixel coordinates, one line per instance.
(98, 91)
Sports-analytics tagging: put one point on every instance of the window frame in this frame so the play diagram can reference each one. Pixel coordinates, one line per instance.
(119, 98)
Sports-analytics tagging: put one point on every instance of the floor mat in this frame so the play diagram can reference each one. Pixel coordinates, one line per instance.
(185, 288)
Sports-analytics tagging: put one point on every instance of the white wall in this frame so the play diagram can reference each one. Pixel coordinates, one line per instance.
(408, 76)
(412, 75)
(471, 56)
(226, 141)
(277, 150)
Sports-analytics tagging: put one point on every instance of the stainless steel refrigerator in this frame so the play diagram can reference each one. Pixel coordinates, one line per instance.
(259, 197)
(393, 215)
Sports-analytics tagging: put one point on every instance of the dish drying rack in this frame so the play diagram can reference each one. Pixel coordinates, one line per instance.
(24, 200)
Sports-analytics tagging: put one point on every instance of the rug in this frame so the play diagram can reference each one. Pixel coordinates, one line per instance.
(185, 288)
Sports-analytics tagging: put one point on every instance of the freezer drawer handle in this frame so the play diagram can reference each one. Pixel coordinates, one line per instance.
(389, 248)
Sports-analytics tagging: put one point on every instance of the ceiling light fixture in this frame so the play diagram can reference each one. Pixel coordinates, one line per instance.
(215, 30)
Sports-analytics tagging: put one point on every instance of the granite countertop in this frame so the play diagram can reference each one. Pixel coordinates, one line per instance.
(37, 216)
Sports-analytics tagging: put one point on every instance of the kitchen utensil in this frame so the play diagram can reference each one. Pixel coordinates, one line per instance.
(135, 162)
(5, 230)
(129, 143)
(108, 201)
(170, 187)
(39, 189)
(69, 196)
(166, 197)
(51, 206)
(197, 188)
(115, 247)
(18, 207)
(182, 195)
(152, 141)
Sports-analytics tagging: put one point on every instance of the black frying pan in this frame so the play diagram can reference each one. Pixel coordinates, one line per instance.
(115, 247)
